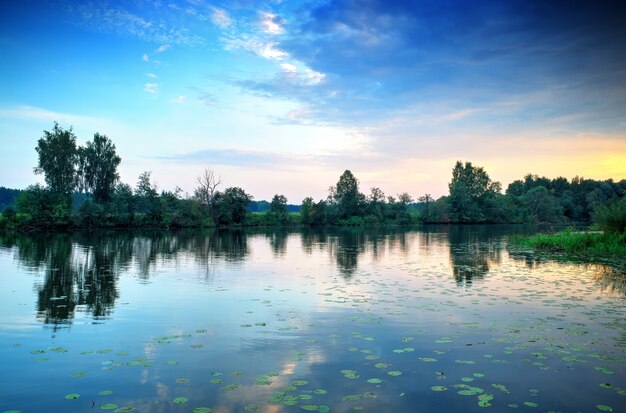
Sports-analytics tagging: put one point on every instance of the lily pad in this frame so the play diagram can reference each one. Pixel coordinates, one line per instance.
(72, 396)
(105, 392)
(394, 373)
(604, 408)
(374, 381)
(202, 410)
(439, 388)
(108, 406)
(180, 400)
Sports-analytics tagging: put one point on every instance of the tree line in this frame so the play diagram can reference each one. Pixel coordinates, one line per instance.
(83, 189)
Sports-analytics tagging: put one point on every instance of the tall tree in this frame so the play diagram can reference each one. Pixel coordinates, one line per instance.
(278, 209)
(347, 196)
(469, 189)
(57, 159)
(98, 166)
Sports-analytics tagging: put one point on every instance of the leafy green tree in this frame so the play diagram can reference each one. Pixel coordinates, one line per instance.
(347, 196)
(57, 159)
(278, 213)
(230, 206)
(305, 210)
(146, 201)
(98, 166)
(43, 208)
(469, 189)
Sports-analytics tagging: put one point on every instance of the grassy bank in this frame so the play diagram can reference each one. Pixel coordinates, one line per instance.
(596, 244)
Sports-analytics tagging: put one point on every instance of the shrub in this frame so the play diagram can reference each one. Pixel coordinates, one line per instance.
(611, 217)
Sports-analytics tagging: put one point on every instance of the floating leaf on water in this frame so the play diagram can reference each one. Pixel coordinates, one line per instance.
(501, 387)
(125, 409)
(299, 382)
(305, 397)
(108, 406)
(196, 346)
(263, 380)
(200, 331)
(350, 374)
(381, 365)
(406, 339)
(320, 391)
(180, 400)
(374, 381)
(216, 381)
(467, 379)
(37, 351)
(122, 353)
(170, 362)
(72, 396)
(310, 407)
(105, 392)
(530, 404)
(427, 359)
(439, 388)
(606, 385)
(202, 410)
(59, 349)
(394, 373)
(40, 359)
(604, 370)
(246, 325)
(182, 380)
(230, 387)
(478, 375)
(78, 374)
(604, 408)
(324, 409)
(464, 362)
(238, 373)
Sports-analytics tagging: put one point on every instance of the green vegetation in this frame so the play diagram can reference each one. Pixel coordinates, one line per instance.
(610, 242)
(579, 243)
(83, 191)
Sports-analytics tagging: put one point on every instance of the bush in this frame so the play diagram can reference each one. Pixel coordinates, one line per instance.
(611, 217)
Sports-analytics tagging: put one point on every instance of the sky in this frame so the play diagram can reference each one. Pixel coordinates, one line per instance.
(280, 97)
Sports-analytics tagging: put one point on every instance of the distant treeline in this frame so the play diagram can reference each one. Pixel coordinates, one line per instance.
(83, 190)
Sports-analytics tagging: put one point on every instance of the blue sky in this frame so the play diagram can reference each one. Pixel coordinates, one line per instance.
(282, 96)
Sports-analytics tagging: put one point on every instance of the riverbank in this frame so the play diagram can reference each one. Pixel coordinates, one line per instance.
(590, 243)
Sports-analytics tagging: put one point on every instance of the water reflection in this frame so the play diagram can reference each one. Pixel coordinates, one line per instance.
(80, 271)
(474, 251)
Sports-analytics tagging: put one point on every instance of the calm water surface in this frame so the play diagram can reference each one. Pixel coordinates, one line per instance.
(442, 319)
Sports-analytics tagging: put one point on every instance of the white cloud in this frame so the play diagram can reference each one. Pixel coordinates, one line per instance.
(180, 100)
(220, 18)
(151, 87)
(257, 46)
(145, 58)
(288, 68)
(313, 78)
(151, 75)
(162, 48)
(271, 23)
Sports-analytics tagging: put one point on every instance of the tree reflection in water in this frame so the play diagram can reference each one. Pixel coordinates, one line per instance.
(80, 271)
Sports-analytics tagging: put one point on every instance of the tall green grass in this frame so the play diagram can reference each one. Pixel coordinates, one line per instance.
(609, 244)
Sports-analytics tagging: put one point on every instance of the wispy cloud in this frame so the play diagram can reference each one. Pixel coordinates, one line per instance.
(272, 23)
(151, 75)
(178, 100)
(153, 25)
(151, 88)
(145, 57)
(220, 18)
(162, 48)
